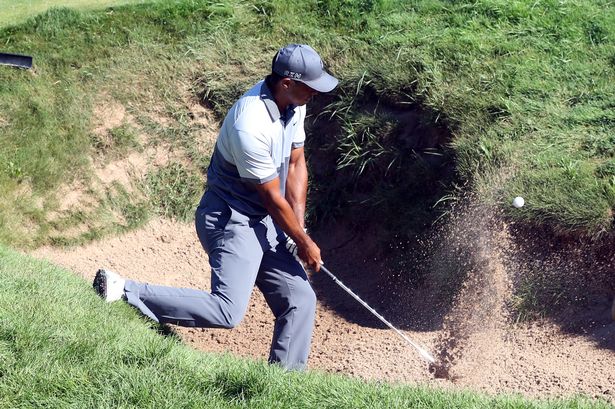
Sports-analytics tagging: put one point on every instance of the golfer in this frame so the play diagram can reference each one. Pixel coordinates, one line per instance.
(250, 219)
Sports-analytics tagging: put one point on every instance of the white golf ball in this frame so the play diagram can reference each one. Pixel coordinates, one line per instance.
(518, 202)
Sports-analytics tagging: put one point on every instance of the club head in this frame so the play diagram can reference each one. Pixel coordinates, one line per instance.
(440, 370)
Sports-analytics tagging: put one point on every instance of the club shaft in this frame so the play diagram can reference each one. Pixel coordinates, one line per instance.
(424, 354)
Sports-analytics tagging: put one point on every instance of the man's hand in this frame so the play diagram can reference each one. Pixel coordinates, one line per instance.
(309, 255)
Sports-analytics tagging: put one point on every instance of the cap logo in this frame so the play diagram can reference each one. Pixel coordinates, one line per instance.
(291, 74)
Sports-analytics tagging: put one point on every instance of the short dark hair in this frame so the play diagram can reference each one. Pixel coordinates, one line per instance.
(273, 79)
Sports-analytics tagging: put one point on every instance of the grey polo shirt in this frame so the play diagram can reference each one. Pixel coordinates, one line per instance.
(253, 147)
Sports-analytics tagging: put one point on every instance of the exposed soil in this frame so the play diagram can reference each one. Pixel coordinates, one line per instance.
(470, 332)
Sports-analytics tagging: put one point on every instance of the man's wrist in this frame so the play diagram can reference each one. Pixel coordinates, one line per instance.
(304, 239)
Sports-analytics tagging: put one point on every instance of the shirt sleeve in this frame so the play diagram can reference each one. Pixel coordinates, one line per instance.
(299, 139)
(252, 157)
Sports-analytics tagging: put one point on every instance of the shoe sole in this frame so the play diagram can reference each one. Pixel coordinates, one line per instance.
(100, 284)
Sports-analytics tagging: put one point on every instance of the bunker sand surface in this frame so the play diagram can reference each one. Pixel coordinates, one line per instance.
(536, 360)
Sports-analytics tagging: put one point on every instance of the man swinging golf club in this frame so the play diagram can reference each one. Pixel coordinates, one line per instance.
(251, 215)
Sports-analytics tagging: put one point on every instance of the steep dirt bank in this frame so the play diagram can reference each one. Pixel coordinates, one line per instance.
(542, 359)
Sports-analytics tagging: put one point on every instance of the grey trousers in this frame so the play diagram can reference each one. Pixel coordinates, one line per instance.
(242, 251)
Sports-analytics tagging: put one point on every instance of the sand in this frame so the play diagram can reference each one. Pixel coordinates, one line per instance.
(471, 331)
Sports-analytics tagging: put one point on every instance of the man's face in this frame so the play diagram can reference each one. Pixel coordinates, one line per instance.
(299, 93)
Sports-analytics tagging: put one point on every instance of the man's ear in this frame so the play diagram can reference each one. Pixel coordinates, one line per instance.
(286, 83)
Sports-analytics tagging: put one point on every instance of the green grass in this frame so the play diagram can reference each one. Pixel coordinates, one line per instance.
(523, 89)
(13, 12)
(48, 116)
(61, 346)
(174, 190)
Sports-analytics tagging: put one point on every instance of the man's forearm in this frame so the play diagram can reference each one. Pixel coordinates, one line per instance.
(285, 216)
(296, 189)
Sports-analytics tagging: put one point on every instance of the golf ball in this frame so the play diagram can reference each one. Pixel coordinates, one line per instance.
(518, 202)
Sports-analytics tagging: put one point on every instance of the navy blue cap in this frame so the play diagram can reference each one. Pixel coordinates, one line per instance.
(301, 63)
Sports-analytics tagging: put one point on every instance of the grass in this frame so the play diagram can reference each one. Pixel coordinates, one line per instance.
(174, 190)
(61, 346)
(19, 11)
(513, 98)
(436, 99)
(50, 115)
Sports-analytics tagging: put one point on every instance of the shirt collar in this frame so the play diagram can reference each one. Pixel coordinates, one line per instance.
(267, 97)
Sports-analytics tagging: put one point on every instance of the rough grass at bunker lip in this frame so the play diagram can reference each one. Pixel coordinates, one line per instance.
(74, 350)
(520, 85)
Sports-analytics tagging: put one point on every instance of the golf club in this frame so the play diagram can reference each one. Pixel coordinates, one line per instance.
(16, 60)
(422, 352)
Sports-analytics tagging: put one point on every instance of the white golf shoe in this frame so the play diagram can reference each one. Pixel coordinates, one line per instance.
(109, 285)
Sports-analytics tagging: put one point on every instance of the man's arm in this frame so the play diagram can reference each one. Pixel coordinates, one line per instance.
(282, 213)
(297, 184)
